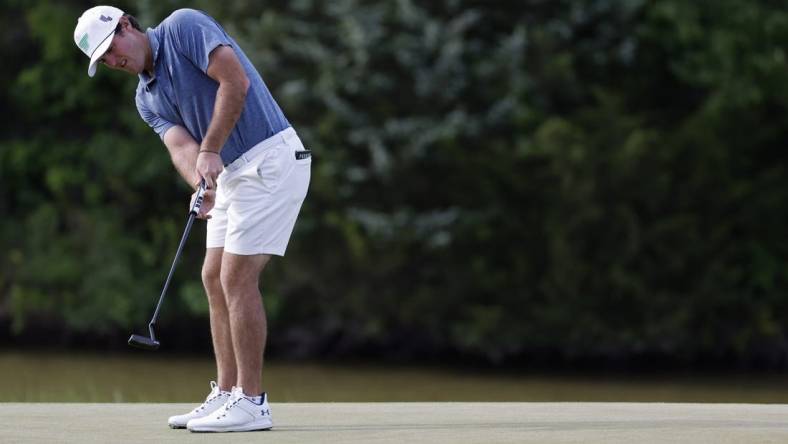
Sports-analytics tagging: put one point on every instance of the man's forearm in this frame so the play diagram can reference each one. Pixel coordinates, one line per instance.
(230, 101)
(183, 153)
(185, 160)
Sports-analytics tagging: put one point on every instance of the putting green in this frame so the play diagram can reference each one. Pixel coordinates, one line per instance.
(412, 423)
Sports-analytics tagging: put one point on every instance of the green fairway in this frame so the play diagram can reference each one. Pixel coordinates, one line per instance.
(412, 423)
(158, 377)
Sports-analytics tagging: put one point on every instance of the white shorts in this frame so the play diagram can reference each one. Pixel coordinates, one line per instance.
(258, 197)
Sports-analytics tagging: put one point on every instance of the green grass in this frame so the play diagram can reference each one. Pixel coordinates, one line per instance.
(148, 377)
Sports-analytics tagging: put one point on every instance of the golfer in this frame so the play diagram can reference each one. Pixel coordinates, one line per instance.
(202, 96)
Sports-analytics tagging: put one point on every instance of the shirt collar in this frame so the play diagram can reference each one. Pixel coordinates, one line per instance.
(153, 39)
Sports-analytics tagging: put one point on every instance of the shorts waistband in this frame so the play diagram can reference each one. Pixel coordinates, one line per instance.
(254, 151)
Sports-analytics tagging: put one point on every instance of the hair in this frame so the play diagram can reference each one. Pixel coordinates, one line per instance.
(134, 24)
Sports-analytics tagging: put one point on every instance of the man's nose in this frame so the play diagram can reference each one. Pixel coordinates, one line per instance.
(110, 60)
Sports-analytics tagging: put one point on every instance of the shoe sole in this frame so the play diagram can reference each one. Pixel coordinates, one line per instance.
(175, 426)
(250, 428)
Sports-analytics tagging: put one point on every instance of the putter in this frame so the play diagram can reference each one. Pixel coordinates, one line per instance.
(150, 343)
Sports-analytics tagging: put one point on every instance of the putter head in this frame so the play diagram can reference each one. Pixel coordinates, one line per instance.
(143, 342)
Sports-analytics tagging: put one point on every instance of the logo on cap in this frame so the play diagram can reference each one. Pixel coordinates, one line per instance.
(105, 19)
(83, 43)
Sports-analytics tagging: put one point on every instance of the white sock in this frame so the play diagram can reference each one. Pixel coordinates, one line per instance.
(254, 399)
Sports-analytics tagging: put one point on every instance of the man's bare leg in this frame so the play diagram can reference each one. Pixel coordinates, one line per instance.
(240, 276)
(226, 370)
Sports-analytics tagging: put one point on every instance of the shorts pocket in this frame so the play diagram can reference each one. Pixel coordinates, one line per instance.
(269, 169)
(301, 174)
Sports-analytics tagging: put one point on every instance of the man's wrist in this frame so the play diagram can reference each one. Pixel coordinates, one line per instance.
(208, 151)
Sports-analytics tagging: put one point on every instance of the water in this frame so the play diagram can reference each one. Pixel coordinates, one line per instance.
(148, 377)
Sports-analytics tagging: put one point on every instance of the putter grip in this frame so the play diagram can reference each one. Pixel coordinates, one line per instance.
(198, 201)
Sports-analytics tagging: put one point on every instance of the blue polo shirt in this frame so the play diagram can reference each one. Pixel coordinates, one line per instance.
(181, 93)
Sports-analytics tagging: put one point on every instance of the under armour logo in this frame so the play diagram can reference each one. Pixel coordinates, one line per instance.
(265, 412)
(105, 19)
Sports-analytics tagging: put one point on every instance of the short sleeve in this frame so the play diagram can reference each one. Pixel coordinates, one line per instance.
(195, 35)
(159, 124)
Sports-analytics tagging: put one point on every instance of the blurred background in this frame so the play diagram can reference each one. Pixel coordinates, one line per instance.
(510, 200)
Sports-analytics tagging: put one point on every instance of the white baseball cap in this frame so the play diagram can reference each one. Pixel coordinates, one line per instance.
(94, 32)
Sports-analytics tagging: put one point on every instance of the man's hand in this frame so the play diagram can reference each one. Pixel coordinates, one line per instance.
(208, 201)
(209, 165)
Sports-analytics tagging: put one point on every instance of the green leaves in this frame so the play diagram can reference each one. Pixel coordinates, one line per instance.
(575, 178)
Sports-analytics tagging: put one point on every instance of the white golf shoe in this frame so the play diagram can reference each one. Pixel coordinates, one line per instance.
(239, 414)
(213, 402)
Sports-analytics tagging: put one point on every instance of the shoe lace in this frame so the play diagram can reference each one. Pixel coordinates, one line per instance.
(215, 394)
(208, 400)
(234, 399)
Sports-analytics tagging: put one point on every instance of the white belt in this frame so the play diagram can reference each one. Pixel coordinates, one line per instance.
(251, 153)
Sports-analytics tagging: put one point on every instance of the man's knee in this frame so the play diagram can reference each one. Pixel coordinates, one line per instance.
(240, 274)
(211, 280)
(211, 275)
(232, 281)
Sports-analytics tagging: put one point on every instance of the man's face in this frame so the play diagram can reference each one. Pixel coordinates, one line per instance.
(125, 53)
